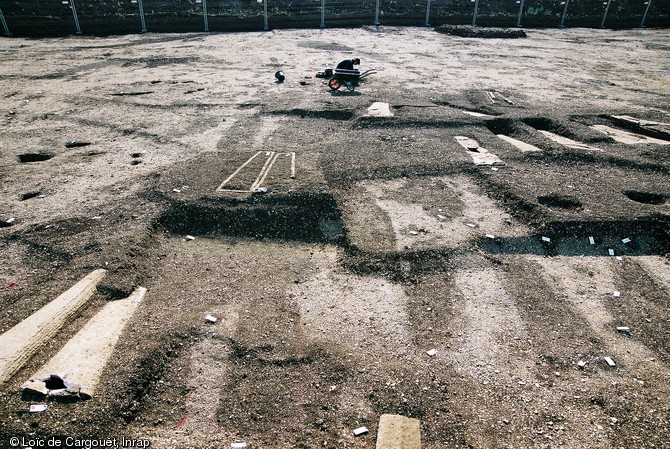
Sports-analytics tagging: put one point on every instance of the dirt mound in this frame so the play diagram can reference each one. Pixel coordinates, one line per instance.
(475, 31)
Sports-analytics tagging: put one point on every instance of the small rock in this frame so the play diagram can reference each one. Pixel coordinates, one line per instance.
(360, 431)
(35, 387)
(76, 143)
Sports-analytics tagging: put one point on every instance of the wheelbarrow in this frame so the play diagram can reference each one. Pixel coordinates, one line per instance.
(348, 78)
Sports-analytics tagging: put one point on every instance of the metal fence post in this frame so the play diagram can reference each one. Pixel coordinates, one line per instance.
(427, 22)
(144, 25)
(265, 15)
(376, 22)
(204, 14)
(141, 8)
(518, 21)
(474, 15)
(645, 13)
(4, 24)
(565, 10)
(323, 14)
(76, 19)
(607, 8)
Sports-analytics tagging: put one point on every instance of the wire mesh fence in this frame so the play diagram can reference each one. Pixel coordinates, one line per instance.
(99, 17)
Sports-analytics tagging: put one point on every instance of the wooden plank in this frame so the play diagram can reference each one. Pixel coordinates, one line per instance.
(398, 432)
(21, 342)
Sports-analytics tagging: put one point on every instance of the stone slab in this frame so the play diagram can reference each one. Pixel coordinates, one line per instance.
(379, 109)
(479, 154)
(519, 144)
(82, 360)
(21, 342)
(628, 137)
(569, 142)
(398, 432)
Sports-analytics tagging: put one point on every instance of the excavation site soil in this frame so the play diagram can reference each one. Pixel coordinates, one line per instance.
(476, 236)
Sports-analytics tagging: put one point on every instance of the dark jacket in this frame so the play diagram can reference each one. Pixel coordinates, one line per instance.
(347, 64)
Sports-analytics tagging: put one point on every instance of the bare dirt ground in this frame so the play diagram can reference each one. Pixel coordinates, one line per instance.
(386, 243)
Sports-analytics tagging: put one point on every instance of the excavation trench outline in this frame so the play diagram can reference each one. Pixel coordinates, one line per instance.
(271, 159)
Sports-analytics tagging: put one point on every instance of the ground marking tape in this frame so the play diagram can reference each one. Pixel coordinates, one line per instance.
(220, 188)
(272, 157)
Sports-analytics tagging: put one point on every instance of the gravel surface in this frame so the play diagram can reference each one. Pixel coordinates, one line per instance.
(378, 269)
